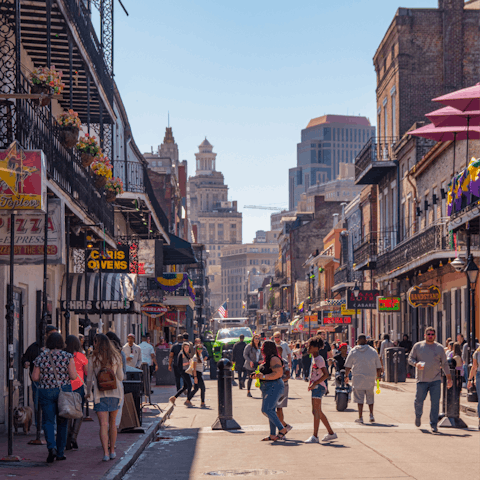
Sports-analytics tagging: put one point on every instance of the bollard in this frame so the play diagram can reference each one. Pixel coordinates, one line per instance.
(452, 402)
(225, 419)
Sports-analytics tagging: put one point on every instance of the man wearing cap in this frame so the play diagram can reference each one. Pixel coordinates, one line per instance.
(132, 352)
(365, 365)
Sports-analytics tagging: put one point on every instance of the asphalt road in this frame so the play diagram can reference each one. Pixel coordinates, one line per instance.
(390, 448)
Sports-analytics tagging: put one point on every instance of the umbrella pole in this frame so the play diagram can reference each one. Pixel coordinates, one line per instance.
(468, 123)
(454, 150)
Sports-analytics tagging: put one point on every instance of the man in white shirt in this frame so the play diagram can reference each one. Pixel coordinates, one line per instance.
(286, 352)
(132, 352)
(148, 354)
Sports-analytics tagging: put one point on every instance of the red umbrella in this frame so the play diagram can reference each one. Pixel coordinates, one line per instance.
(467, 99)
(449, 116)
(447, 134)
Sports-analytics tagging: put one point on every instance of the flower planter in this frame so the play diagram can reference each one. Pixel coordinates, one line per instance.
(86, 159)
(38, 90)
(99, 181)
(68, 136)
(111, 196)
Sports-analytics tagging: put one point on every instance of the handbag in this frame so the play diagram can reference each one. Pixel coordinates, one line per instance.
(190, 370)
(472, 393)
(69, 403)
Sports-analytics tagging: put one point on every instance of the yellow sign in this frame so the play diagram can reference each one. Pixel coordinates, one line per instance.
(347, 312)
(22, 179)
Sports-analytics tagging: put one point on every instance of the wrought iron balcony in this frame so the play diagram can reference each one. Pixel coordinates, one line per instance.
(375, 160)
(131, 174)
(365, 253)
(433, 239)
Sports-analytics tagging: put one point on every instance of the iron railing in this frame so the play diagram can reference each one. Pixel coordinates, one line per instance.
(131, 174)
(366, 249)
(345, 274)
(36, 129)
(430, 240)
(377, 149)
(80, 17)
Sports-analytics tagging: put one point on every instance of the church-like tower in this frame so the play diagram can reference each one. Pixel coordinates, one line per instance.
(206, 159)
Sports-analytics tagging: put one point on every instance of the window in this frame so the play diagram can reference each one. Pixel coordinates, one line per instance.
(385, 120)
(394, 114)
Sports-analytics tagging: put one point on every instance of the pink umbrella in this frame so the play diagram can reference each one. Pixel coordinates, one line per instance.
(449, 116)
(466, 99)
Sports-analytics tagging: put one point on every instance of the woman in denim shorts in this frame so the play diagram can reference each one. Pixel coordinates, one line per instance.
(106, 402)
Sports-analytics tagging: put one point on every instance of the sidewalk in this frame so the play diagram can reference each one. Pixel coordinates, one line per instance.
(86, 463)
(469, 409)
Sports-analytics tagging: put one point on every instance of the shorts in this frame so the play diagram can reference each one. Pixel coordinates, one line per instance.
(107, 404)
(283, 400)
(360, 395)
(318, 391)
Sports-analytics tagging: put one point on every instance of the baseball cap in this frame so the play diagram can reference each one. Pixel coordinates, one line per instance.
(343, 345)
(131, 335)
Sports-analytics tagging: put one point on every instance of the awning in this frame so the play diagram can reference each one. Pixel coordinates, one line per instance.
(116, 296)
(179, 252)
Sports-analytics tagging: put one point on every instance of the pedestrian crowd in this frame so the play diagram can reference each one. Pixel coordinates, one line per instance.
(65, 371)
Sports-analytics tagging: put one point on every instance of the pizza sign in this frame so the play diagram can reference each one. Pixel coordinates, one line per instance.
(424, 296)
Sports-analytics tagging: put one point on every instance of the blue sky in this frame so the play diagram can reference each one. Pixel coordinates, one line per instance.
(249, 76)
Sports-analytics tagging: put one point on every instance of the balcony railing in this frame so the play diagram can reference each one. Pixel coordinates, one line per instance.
(366, 250)
(131, 174)
(375, 151)
(36, 129)
(431, 240)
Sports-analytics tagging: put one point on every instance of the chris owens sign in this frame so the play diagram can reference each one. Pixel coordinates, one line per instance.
(424, 296)
(112, 261)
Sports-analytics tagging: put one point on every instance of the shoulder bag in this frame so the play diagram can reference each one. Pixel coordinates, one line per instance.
(472, 393)
(190, 370)
(69, 403)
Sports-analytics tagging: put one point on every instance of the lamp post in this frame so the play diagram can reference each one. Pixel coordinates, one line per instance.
(356, 291)
(472, 273)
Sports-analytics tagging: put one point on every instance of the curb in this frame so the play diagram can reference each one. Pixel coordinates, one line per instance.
(467, 409)
(131, 455)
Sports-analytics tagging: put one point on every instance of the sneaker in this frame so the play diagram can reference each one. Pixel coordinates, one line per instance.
(372, 418)
(249, 394)
(434, 428)
(189, 404)
(418, 421)
(62, 457)
(329, 438)
(113, 455)
(359, 420)
(52, 455)
(106, 458)
(312, 439)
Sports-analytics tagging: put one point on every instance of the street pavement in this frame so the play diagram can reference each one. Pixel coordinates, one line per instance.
(393, 447)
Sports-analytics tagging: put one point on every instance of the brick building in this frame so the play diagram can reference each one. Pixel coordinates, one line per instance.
(425, 53)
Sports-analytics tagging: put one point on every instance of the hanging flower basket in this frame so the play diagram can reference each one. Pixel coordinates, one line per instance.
(89, 149)
(86, 159)
(99, 181)
(68, 136)
(38, 90)
(111, 197)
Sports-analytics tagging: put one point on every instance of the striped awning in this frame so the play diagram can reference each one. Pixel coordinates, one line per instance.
(117, 292)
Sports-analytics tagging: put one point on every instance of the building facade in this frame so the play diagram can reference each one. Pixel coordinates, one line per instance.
(326, 143)
(216, 220)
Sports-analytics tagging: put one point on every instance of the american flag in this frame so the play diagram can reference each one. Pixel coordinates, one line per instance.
(223, 310)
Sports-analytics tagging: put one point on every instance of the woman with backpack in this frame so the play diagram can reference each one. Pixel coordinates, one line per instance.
(197, 361)
(105, 375)
(183, 365)
(74, 347)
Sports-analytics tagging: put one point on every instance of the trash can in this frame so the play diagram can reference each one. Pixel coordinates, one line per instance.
(135, 387)
(395, 360)
(163, 376)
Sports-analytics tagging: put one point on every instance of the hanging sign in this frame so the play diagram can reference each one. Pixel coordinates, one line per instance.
(347, 312)
(153, 310)
(310, 319)
(338, 320)
(112, 261)
(22, 179)
(388, 304)
(29, 232)
(424, 296)
(366, 300)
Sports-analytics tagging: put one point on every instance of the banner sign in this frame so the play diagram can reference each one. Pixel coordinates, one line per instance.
(367, 300)
(347, 312)
(153, 310)
(337, 320)
(310, 319)
(388, 304)
(29, 230)
(424, 296)
(108, 306)
(327, 329)
(22, 179)
(112, 261)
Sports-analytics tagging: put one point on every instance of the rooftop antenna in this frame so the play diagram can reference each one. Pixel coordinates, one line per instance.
(168, 119)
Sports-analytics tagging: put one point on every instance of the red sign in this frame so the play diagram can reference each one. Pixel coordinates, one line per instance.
(388, 304)
(337, 320)
(153, 310)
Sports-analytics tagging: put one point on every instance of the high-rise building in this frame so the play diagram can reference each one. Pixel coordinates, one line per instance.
(215, 219)
(327, 142)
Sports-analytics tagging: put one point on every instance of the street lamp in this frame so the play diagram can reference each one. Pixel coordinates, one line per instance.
(458, 264)
(472, 273)
(356, 292)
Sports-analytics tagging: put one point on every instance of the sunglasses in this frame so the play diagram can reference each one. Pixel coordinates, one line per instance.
(430, 334)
